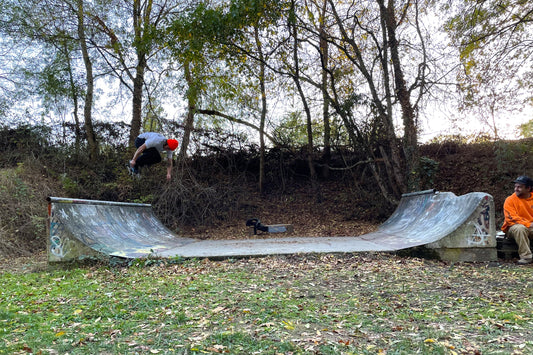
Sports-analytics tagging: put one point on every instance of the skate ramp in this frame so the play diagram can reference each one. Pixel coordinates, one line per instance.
(439, 219)
(88, 228)
(457, 228)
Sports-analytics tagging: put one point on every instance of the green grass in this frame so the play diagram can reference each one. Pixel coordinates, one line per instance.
(344, 304)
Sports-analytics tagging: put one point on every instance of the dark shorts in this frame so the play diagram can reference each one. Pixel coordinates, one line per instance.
(149, 156)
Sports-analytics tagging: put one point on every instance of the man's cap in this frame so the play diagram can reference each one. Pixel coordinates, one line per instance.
(525, 180)
(172, 144)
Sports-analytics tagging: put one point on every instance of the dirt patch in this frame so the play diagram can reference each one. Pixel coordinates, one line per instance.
(308, 218)
(24, 264)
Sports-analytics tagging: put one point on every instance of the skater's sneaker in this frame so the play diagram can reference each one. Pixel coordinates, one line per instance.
(136, 172)
(133, 171)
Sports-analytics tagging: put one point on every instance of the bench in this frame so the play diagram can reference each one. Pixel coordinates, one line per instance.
(506, 247)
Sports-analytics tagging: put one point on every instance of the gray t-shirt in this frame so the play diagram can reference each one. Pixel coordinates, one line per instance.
(157, 141)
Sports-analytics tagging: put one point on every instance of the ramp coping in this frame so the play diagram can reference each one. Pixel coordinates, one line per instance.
(94, 202)
(416, 193)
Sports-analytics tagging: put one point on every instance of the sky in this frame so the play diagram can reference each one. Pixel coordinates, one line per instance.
(469, 125)
(434, 122)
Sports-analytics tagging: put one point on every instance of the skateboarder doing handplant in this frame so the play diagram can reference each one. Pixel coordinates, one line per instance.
(149, 146)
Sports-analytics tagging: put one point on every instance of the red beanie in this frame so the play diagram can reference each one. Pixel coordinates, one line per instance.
(172, 144)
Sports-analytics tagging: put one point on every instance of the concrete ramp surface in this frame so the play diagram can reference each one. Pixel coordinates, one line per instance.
(87, 228)
(458, 228)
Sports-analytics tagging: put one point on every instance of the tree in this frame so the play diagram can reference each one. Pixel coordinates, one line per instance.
(494, 43)
(91, 137)
(369, 39)
(526, 129)
(225, 46)
(362, 42)
(57, 28)
(403, 93)
(295, 74)
(189, 37)
(129, 50)
(193, 94)
(324, 54)
(251, 37)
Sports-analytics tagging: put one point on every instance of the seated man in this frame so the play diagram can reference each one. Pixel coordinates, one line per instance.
(518, 211)
(151, 145)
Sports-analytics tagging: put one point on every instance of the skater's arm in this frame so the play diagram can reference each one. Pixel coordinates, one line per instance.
(137, 153)
(169, 169)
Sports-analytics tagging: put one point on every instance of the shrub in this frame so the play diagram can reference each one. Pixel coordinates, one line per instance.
(23, 192)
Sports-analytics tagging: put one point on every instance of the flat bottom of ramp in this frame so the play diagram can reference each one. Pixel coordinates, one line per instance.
(273, 246)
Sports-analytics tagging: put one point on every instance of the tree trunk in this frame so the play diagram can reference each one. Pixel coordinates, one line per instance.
(75, 113)
(189, 121)
(410, 141)
(394, 169)
(187, 131)
(91, 137)
(138, 83)
(324, 53)
(263, 110)
(310, 145)
(140, 22)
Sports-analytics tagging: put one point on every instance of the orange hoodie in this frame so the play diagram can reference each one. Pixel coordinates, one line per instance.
(517, 211)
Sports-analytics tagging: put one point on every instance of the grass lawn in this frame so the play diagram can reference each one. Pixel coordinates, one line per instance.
(314, 304)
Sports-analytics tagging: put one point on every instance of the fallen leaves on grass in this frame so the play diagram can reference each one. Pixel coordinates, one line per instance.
(371, 303)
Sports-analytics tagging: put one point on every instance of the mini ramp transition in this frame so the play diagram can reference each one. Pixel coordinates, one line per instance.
(457, 228)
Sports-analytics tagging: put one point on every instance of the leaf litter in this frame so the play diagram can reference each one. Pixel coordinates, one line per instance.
(345, 303)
